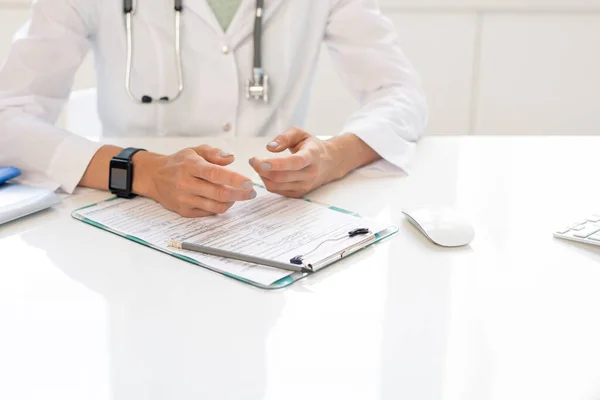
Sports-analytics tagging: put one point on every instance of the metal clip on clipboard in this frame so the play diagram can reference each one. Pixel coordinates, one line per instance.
(299, 260)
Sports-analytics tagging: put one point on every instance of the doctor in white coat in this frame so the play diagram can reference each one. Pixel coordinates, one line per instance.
(216, 63)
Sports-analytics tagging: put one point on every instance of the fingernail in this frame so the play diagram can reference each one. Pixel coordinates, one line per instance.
(251, 162)
(266, 166)
(273, 145)
(248, 185)
(225, 154)
(253, 195)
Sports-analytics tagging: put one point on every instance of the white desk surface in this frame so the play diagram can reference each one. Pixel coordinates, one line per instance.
(88, 315)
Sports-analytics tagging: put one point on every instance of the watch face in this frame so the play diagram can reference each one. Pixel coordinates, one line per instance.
(118, 179)
(120, 176)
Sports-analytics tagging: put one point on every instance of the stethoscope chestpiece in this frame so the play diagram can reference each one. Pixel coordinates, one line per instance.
(258, 87)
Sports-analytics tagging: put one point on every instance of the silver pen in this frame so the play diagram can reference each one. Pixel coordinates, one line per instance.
(238, 256)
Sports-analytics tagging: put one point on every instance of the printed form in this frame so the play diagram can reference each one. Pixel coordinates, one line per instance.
(269, 226)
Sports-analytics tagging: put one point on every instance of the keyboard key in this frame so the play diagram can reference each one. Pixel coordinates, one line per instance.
(594, 218)
(578, 227)
(563, 231)
(595, 236)
(587, 231)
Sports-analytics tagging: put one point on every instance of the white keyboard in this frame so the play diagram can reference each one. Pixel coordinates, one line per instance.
(585, 231)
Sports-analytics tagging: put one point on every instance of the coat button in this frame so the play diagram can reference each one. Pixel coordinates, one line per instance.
(226, 127)
(225, 49)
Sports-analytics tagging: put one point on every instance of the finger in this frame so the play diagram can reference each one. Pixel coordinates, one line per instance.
(189, 212)
(288, 176)
(204, 204)
(220, 193)
(219, 175)
(287, 140)
(214, 155)
(303, 187)
(290, 194)
(293, 195)
(294, 162)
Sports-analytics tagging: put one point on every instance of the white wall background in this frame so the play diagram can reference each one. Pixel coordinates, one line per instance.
(488, 66)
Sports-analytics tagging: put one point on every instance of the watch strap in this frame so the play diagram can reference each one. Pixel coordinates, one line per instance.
(128, 153)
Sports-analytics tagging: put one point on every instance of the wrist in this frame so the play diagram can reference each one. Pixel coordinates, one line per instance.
(145, 165)
(338, 167)
(350, 153)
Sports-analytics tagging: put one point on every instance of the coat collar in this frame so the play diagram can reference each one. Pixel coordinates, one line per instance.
(242, 25)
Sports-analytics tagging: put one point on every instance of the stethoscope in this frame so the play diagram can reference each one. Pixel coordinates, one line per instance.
(257, 87)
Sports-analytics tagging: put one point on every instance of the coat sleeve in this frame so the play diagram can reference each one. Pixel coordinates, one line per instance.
(364, 47)
(35, 83)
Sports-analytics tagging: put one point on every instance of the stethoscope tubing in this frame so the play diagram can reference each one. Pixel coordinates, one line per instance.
(128, 11)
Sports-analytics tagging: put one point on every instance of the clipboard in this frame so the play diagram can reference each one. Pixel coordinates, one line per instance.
(280, 284)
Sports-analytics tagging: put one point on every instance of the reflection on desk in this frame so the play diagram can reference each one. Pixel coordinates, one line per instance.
(87, 315)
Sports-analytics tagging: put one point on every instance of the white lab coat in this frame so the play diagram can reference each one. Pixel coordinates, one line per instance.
(37, 78)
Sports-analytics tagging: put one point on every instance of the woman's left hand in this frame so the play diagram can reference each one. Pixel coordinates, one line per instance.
(312, 164)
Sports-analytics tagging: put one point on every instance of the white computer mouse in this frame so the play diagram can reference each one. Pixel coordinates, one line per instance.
(444, 227)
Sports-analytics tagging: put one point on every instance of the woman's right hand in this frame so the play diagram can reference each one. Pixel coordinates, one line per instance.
(192, 182)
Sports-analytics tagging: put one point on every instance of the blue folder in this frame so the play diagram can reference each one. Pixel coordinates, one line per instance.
(8, 173)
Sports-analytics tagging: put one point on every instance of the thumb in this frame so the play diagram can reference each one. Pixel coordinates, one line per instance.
(287, 140)
(214, 155)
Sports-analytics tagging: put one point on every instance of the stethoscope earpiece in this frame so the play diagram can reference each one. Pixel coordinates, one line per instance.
(257, 88)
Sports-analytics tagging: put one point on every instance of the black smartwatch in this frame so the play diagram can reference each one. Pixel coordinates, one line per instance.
(120, 177)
